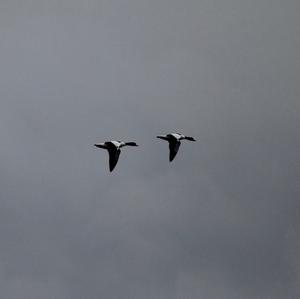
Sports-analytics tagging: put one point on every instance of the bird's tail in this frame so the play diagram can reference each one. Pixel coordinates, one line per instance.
(131, 143)
(190, 138)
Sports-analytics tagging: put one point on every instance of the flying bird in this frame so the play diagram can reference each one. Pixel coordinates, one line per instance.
(174, 142)
(114, 149)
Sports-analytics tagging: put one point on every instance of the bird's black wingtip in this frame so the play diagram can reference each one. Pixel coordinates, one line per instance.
(171, 158)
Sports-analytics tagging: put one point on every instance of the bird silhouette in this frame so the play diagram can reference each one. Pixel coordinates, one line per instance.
(174, 142)
(114, 149)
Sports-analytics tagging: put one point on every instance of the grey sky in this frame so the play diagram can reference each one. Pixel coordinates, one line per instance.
(221, 221)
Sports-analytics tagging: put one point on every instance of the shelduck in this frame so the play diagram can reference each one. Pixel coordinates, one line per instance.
(174, 142)
(114, 149)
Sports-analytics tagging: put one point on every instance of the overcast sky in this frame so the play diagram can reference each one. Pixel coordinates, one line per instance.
(221, 221)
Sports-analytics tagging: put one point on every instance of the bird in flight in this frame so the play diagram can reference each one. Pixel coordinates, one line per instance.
(174, 142)
(114, 149)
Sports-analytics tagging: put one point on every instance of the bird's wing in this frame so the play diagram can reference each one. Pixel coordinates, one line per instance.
(113, 158)
(174, 147)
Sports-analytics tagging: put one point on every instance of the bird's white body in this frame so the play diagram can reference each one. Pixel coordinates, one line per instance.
(117, 144)
(177, 136)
